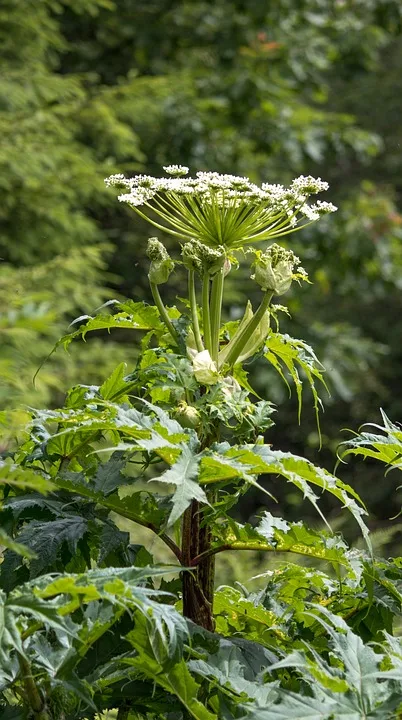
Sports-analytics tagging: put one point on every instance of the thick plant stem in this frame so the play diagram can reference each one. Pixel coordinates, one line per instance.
(206, 567)
(196, 606)
(32, 693)
(215, 310)
(251, 326)
(205, 311)
(194, 313)
(162, 311)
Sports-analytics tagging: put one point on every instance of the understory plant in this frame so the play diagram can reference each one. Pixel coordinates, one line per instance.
(89, 622)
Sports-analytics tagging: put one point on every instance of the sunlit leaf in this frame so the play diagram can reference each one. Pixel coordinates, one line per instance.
(286, 353)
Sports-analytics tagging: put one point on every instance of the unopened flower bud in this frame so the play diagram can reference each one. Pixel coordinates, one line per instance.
(161, 263)
(273, 269)
(187, 415)
(200, 257)
(205, 369)
(230, 386)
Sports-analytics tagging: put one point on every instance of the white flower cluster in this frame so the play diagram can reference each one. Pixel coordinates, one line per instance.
(314, 212)
(222, 209)
(177, 170)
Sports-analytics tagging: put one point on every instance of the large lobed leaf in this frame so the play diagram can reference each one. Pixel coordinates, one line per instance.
(130, 315)
(385, 446)
(287, 353)
(243, 463)
(273, 534)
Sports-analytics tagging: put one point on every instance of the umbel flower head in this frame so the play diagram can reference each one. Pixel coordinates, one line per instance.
(221, 210)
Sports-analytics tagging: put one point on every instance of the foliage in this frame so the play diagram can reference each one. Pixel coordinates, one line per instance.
(175, 443)
(93, 87)
(88, 621)
(386, 447)
(35, 303)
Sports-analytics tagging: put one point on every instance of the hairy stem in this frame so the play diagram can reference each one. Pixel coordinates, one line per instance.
(216, 309)
(33, 695)
(163, 312)
(194, 313)
(205, 311)
(251, 326)
(211, 552)
(196, 605)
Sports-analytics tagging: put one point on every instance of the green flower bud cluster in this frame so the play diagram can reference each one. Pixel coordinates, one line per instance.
(161, 263)
(201, 258)
(187, 415)
(274, 269)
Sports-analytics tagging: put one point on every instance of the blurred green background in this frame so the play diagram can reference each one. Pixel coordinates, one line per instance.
(268, 89)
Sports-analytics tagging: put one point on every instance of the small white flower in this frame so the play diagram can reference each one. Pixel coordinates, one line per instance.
(323, 208)
(118, 180)
(176, 170)
(308, 185)
(309, 212)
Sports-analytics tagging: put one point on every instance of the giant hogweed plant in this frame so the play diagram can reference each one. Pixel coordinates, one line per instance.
(88, 621)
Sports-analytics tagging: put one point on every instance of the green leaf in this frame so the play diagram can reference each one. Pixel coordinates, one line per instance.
(131, 315)
(385, 447)
(229, 668)
(237, 615)
(175, 678)
(80, 427)
(259, 459)
(108, 476)
(220, 466)
(303, 708)
(273, 534)
(33, 506)
(182, 475)
(142, 507)
(23, 603)
(116, 387)
(347, 683)
(23, 478)
(15, 547)
(282, 351)
(125, 588)
(46, 539)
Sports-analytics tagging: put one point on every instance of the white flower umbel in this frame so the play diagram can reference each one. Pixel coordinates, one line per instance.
(221, 210)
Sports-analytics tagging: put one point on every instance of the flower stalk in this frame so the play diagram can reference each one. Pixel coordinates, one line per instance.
(215, 312)
(206, 316)
(194, 310)
(163, 312)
